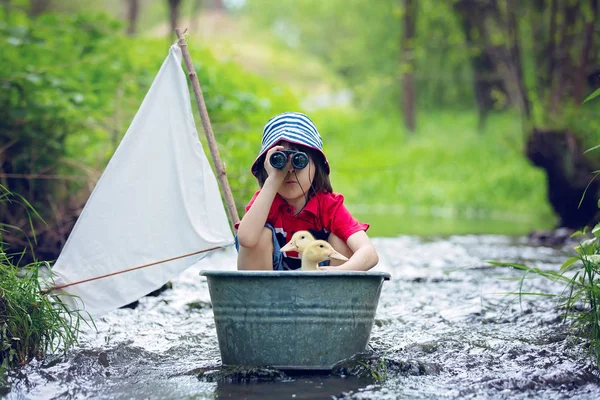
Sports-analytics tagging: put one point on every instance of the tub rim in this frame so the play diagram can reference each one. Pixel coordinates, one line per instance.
(278, 274)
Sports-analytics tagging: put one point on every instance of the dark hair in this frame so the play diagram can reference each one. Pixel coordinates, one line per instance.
(320, 182)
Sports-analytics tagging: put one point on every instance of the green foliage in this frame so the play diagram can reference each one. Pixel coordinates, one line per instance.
(447, 170)
(96, 87)
(31, 323)
(71, 84)
(343, 35)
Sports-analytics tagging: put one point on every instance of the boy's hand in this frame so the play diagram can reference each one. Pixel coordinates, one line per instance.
(278, 175)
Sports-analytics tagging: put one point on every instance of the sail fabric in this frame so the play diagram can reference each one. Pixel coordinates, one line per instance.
(157, 199)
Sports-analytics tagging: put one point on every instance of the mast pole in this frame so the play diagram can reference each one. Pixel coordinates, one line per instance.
(210, 137)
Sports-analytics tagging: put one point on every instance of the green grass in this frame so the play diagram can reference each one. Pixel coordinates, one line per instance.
(446, 171)
(31, 323)
(580, 299)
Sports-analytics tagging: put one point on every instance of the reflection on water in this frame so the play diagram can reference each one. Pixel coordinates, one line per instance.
(299, 387)
(443, 329)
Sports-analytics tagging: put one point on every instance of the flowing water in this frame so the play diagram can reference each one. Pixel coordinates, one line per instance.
(444, 329)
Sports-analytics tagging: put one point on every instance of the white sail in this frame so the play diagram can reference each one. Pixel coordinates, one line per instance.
(157, 199)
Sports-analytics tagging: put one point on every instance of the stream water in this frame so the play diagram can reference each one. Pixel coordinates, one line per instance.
(444, 328)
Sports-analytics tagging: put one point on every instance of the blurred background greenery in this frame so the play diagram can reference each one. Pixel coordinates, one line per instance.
(438, 117)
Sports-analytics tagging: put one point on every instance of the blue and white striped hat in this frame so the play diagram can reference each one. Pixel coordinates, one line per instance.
(293, 127)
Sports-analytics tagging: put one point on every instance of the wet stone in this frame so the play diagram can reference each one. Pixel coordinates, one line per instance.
(377, 368)
(241, 374)
(379, 322)
(412, 367)
(51, 361)
(363, 365)
(103, 359)
(555, 238)
(429, 347)
(199, 305)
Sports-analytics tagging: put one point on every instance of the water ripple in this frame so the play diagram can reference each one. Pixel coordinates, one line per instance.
(444, 329)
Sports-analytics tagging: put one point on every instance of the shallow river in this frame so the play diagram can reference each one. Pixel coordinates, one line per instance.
(444, 329)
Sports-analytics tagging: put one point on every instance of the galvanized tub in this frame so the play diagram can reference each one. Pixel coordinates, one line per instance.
(293, 319)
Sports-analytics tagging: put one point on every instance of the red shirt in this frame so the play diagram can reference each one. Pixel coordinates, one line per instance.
(324, 213)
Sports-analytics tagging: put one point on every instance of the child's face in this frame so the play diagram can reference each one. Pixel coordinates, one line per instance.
(297, 183)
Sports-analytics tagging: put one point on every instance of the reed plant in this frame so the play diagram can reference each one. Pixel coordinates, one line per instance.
(32, 323)
(580, 298)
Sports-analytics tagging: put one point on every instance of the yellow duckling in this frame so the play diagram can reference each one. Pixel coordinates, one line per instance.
(317, 251)
(298, 242)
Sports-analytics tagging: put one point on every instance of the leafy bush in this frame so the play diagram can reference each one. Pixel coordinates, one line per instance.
(69, 87)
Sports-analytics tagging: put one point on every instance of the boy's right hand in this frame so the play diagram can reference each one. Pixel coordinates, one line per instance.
(274, 174)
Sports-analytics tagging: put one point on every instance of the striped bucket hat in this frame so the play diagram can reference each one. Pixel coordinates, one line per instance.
(293, 127)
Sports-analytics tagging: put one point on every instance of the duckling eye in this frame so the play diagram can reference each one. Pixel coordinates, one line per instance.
(302, 237)
(321, 246)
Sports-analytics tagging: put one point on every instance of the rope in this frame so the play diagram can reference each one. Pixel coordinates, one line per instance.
(46, 291)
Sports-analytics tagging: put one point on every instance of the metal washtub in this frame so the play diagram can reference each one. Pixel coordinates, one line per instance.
(293, 319)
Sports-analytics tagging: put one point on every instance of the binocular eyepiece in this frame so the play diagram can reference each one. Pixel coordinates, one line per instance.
(279, 158)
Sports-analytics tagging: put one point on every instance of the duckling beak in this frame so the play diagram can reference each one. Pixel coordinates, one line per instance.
(337, 256)
(291, 246)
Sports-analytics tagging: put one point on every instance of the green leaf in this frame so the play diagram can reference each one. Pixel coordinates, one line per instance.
(596, 230)
(596, 173)
(593, 95)
(593, 148)
(594, 259)
(587, 247)
(570, 261)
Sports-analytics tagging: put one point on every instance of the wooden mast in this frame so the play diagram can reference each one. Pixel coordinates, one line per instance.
(212, 144)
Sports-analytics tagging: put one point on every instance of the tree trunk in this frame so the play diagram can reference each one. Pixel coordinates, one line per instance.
(408, 64)
(486, 80)
(174, 14)
(132, 16)
(551, 52)
(516, 62)
(563, 77)
(581, 77)
(507, 57)
(568, 174)
(37, 7)
(564, 57)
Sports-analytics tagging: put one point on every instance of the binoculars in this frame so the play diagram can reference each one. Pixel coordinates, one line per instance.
(279, 158)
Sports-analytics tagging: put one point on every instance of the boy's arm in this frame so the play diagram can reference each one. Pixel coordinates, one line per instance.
(365, 256)
(254, 220)
(344, 225)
